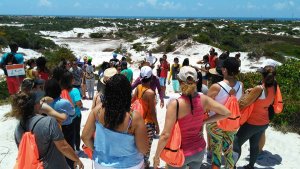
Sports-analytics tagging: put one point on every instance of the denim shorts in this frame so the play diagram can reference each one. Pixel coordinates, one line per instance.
(162, 81)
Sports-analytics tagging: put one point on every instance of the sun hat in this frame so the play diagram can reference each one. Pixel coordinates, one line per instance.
(146, 72)
(186, 72)
(108, 73)
(213, 71)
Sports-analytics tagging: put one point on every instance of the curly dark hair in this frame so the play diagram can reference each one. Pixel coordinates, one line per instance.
(117, 101)
(22, 105)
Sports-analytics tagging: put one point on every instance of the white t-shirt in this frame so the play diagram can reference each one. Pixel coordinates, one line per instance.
(151, 59)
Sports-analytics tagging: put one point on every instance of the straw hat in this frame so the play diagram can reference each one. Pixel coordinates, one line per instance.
(108, 73)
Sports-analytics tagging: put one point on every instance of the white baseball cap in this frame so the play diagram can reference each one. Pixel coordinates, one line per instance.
(146, 72)
(187, 71)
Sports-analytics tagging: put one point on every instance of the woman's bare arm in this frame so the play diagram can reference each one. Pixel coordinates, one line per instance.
(89, 129)
(140, 133)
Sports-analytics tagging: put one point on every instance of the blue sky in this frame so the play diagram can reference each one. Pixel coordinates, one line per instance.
(173, 8)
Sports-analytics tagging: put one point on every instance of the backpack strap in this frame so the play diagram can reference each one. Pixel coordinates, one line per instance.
(232, 87)
(177, 109)
(35, 124)
(224, 88)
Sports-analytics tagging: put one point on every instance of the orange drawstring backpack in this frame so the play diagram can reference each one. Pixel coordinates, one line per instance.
(139, 105)
(231, 123)
(28, 154)
(172, 154)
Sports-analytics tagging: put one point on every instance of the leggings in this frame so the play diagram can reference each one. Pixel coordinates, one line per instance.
(90, 83)
(151, 134)
(77, 123)
(68, 131)
(221, 141)
(251, 133)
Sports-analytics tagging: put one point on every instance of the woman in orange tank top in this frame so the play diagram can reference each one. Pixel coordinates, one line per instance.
(262, 97)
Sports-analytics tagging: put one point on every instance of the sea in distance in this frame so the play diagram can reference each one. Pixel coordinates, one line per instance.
(169, 18)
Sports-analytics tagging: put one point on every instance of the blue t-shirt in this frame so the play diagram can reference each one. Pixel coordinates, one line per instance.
(64, 106)
(75, 96)
(19, 57)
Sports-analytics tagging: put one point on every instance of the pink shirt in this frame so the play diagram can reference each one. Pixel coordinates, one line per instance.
(191, 125)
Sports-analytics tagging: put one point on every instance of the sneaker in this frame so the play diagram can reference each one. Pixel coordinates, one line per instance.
(248, 167)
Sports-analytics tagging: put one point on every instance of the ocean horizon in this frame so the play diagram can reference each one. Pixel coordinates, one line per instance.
(165, 17)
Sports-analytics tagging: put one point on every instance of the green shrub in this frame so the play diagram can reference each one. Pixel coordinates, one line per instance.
(138, 47)
(288, 78)
(169, 48)
(4, 95)
(202, 38)
(55, 56)
(26, 39)
(96, 35)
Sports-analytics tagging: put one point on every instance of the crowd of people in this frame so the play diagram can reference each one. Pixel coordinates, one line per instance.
(120, 135)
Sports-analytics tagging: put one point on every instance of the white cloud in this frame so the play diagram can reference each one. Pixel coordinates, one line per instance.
(111, 6)
(280, 5)
(152, 2)
(200, 4)
(250, 6)
(46, 3)
(141, 4)
(77, 4)
(169, 5)
(283, 5)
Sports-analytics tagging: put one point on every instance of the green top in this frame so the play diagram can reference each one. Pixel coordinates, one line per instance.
(128, 73)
